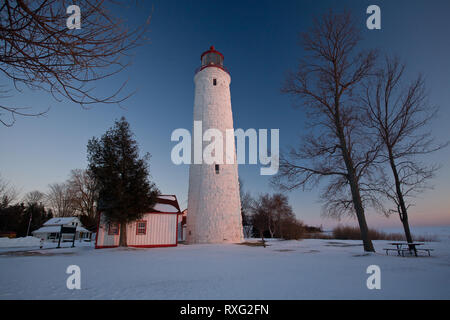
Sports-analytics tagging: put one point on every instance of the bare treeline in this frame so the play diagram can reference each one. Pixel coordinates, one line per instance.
(8, 193)
(38, 51)
(76, 196)
(270, 214)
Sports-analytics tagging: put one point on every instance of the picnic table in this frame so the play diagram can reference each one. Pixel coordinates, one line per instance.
(402, 247)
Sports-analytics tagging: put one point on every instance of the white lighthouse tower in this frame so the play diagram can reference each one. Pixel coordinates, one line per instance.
(214, 205)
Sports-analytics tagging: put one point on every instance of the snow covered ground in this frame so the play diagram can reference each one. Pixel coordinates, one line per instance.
(33, 243)
(307, 269)
(19, 242)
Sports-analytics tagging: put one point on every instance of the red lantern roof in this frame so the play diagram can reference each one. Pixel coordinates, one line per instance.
(211, 58)
(211, 50)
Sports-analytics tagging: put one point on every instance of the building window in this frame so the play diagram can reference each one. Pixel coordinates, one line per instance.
(113, 229)
(141, 227)
(214, 82)
(217, 169)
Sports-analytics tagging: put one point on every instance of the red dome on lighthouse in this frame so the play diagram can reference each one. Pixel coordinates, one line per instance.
(212, 58)
(212, 54)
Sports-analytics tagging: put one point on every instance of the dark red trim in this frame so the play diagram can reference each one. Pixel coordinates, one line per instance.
(137, 228)
(176, 234)
(211, 65)
(153, 245)
(141, 246)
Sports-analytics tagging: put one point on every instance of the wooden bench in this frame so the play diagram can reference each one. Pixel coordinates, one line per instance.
(403, 251)
(391, 249)
(427, 250)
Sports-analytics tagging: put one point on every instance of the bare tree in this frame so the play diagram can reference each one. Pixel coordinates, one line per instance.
(60, 199)
(84, 192)
(8, 193)
(246, 209)
(40, 52)
(282, 213)
(400, 116)
(34, 197)
(335, 148)
(274, 211)
(262, 216)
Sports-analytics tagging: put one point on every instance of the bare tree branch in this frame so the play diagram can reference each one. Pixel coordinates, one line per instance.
(37, 50)
(61, 200)
(84, 190)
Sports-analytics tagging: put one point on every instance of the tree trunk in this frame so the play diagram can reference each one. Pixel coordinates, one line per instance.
(262, 238)
(406, 228)
(403, 212)
(354, 185)
(123, 235)
(271, 229)
(280, 227)
(359, 209)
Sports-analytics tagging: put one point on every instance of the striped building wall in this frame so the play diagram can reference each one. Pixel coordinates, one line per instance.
(161, 231)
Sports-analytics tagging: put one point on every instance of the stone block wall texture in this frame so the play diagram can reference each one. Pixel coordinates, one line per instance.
(214, 206)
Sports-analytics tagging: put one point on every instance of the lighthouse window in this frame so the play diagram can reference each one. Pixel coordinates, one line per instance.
(217, 169)
(214, 82)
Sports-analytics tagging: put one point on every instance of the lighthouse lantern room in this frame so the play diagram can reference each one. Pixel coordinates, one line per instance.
(212, 58)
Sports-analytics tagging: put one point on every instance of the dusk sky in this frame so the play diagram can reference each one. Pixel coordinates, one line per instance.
(259, 40)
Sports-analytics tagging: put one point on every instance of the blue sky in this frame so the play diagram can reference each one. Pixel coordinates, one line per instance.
(259, 40)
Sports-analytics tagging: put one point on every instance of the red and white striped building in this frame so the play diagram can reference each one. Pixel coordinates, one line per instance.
(158, 228)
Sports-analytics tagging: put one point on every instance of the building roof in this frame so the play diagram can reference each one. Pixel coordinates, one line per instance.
(163, 207)
(166, 204)
(60, 221)
(167, 197)
(56, 229)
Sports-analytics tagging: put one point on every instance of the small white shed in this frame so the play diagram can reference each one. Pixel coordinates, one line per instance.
(158, 228)
(50, 230)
